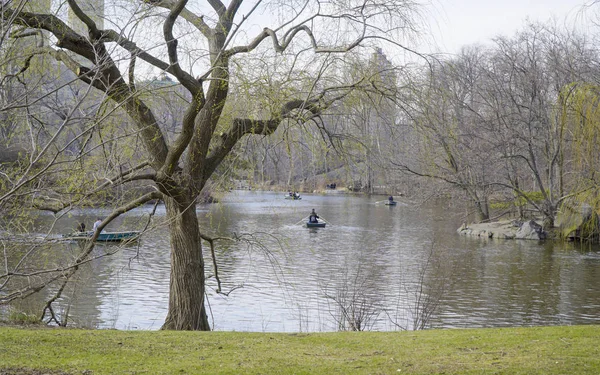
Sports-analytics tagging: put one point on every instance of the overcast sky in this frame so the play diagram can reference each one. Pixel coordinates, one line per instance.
(461, 22)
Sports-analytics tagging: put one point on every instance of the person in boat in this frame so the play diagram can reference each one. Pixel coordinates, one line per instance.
(296, 195)
(81, 227)
(97, 224)
(313, 217)
(390, 199)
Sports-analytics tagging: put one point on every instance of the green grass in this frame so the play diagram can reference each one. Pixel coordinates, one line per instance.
(542, 350)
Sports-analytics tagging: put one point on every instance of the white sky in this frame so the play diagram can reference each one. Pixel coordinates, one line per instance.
(456, 23)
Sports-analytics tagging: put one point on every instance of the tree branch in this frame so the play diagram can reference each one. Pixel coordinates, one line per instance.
(187, 132)
(196, 21)
(67, 37)
(67, 272)
(91, 25)
(288, 38)
(301, 110)
(184, 78)
(109, 81)
(218, 7)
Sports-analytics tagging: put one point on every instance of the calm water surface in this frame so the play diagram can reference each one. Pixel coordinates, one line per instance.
(386, 267)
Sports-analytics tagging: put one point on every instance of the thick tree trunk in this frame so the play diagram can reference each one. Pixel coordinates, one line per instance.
(549, 214)
(187, 289)
(482, 210)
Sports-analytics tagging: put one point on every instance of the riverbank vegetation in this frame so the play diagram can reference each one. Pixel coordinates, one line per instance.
(540, 350)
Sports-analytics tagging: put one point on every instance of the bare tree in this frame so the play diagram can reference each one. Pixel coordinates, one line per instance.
(489, 121)
(451, 146)
(529, 76)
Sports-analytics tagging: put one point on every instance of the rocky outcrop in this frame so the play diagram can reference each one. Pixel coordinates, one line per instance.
(530, 230)
(508, 229)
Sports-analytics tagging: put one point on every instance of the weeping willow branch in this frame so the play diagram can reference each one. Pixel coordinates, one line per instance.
(67, 272)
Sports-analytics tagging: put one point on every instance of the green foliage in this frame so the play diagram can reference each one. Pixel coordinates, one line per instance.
(534, 196)
(20, 317)
(580, 103)
(580, 117)
(501, 205)
(520, 201)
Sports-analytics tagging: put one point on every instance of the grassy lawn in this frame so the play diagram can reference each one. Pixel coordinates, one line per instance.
(542, 350)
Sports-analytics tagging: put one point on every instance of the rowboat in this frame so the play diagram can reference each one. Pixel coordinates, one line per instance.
(390, 203)
(318, 224)
(104, 236)
(293, 197)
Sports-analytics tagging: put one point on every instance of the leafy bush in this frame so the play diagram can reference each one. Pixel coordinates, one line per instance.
(19, 317)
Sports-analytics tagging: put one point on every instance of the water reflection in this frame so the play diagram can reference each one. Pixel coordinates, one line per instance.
(381, 266)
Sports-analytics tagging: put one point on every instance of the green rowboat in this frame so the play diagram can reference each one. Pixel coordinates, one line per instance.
(319, 224)
(104, 236)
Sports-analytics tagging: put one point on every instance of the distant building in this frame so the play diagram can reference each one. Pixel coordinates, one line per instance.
(92, 8)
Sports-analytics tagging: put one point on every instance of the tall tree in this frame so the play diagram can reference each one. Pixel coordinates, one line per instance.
(210, 48)
(528, 75)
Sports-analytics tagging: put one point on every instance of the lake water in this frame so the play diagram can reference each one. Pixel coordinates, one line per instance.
(373, 267)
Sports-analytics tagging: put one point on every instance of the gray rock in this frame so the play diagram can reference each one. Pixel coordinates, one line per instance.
(506, 230)
(530, 230)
